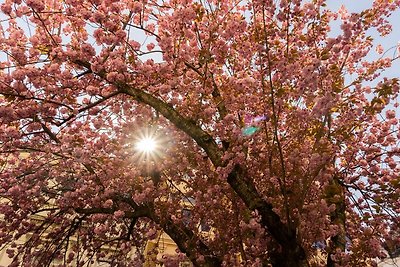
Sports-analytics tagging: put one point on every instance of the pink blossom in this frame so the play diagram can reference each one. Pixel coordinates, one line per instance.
(108, 203)
(150, 46)
(119, 214)
(379, 49)
(6, 8)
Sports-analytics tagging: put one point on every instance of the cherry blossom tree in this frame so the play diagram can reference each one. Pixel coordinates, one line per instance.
(274, 131)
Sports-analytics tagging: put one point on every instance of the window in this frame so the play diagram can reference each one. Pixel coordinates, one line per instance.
(204, 226)
(186, 216)
(185, 264)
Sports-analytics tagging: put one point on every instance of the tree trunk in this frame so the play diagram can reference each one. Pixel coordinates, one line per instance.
(335, 195)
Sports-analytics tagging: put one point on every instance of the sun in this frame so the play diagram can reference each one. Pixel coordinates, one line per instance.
(146, 144)
(149, 145)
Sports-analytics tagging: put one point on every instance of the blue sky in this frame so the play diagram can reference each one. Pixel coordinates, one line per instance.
(353, 6)
(387, 42)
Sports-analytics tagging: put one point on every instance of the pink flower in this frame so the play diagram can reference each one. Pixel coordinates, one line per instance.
(108, 203)
(37, 5)
(135, 45)
(150, 46)
(136, 7)
(99, 230)
(6, 8)
(390, 114)
(92, 90)
(119, 214)
(379, 49)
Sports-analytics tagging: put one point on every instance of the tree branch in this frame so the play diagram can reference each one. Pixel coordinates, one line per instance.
(243, 187)
(186, 240)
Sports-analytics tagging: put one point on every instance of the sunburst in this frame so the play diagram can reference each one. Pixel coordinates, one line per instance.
(146, 145)
(149, 146)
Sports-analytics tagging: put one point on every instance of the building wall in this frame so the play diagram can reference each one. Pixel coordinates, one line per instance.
(390, 262)
(162, 245)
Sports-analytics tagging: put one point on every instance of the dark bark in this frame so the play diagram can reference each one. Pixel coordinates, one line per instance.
(186, 240)
(335, 195)
(290, 252)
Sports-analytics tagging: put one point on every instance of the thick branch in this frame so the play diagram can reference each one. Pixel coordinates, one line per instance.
(292, 252)
(187, 241)
(335, 195)
(243, 187)
(202, 138)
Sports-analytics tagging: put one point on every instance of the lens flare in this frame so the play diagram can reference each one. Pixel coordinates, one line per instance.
(249, 130)
(149, 145)
(253, 124)
(146, 145)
